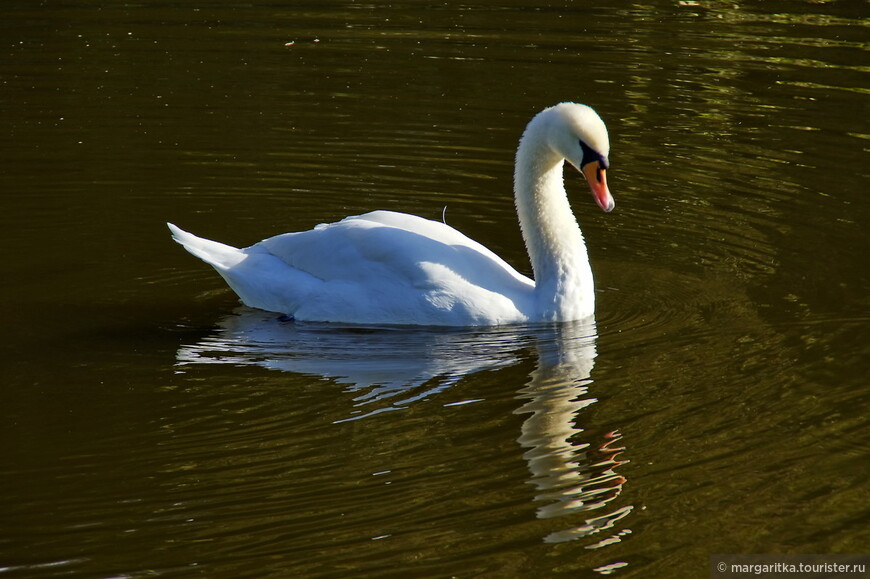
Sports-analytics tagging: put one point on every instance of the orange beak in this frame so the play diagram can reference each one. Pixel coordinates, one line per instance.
(597, 180)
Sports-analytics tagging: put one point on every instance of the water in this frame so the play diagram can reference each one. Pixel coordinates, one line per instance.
(151, 427)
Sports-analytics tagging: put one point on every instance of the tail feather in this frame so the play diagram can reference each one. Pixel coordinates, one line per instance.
(259, 278)
(218, 255)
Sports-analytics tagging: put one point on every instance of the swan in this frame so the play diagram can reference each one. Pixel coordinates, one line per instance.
(386, 267)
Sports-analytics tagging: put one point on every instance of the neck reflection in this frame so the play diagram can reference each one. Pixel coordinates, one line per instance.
(574, 474)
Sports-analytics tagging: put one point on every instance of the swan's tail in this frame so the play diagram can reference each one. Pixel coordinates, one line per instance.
(218, 255)
(260, 279)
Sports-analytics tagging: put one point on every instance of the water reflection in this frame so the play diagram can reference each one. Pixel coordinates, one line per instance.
(390, 368)
(572, 475)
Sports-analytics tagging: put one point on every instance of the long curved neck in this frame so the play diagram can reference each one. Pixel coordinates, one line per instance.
(563, 278)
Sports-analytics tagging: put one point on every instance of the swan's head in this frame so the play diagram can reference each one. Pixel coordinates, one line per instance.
(578, 134)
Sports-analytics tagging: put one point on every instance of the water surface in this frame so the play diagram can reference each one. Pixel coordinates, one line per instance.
(151, 427)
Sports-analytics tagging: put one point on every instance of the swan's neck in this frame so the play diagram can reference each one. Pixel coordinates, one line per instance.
(563, 278)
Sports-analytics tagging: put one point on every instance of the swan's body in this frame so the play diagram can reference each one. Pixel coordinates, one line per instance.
(392, 268)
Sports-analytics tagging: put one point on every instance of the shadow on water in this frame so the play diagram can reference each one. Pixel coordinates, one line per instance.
(389, 369)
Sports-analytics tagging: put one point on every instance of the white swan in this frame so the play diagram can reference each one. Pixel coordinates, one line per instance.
(392, 268)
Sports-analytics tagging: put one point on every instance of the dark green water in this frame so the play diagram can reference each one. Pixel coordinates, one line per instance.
(149, 427)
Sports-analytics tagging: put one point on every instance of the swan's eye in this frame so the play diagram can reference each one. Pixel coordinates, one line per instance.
(590, 155)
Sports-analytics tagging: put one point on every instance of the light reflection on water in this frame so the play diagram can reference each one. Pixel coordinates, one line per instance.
(389, 368)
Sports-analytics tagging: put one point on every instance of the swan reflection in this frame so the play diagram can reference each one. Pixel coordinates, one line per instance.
(389, 368)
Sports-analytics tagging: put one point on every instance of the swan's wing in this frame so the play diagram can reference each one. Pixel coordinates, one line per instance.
(397, 268)
(385, 248)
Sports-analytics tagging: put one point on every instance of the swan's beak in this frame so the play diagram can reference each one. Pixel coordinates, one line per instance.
(597, 179)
